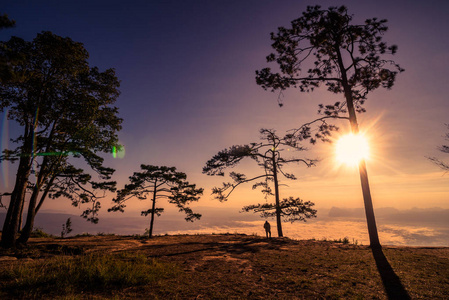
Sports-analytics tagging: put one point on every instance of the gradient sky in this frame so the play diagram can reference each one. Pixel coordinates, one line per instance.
(187, 71)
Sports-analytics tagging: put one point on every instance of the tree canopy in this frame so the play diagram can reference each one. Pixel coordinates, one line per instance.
(324, 47)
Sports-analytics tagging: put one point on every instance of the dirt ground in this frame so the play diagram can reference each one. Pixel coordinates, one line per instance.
(230, 266)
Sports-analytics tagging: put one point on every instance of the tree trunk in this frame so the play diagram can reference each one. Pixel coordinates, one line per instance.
(152, 211)
(28, 228)
(29, 225)
(52, 167)
(19, 227)
(44, 195)
(276, 194)
(11, 225)
(12, 220)
(369, 211)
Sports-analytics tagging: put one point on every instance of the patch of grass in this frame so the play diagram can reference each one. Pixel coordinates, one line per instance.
(424, 272)
(85, 234)
(143, 236)
(104, 273)
(318, 271)
(39, 233)
(343, 241)
(105, 234)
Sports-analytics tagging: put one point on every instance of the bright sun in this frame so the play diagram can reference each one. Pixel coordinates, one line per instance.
(350, 149)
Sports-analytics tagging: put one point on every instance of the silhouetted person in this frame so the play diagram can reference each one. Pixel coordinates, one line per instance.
(267, 227)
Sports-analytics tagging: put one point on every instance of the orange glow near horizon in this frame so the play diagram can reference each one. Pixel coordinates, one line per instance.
(350, 149)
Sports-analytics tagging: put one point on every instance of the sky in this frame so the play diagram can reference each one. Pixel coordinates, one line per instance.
(188, 90)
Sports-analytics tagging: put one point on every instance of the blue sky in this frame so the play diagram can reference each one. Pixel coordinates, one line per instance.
(187, 73)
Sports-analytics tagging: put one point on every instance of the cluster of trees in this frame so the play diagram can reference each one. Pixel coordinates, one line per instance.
(66, 110)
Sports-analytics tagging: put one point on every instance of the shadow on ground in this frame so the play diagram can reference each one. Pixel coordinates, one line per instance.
(241, 245)
(392, 284)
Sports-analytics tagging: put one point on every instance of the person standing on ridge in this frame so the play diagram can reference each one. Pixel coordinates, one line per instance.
(267, 227)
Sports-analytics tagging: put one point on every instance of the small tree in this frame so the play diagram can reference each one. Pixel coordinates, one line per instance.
(445, 149)
(66, 228)
(161, 183)
(324, 47)
(267, 155)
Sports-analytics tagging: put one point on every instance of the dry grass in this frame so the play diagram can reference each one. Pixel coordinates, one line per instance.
(227, 267)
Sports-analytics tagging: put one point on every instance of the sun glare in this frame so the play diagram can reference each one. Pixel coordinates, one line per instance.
(350, 149)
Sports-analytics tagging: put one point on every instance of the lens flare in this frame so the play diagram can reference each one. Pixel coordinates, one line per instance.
(118, 151)
(350, 149)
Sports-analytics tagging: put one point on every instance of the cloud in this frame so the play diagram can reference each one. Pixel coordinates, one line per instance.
(418, 216)
(437, 217)
(415, 235)
(412, 227)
